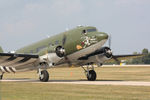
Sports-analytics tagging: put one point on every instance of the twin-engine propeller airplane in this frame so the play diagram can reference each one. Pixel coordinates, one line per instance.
(81, 46)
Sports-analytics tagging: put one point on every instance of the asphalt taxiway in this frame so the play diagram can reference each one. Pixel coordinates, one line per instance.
(83, 82)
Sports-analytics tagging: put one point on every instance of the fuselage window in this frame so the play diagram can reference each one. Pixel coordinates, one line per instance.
(56, 42)
(84, 31)
(91, 30)
(31, 51)
(50, 44)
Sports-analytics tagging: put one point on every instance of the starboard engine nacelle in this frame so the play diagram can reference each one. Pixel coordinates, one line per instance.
(105, 53)
(99, 56)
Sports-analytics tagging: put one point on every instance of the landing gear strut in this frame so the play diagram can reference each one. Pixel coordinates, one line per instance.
(90, 73)
(43, 75)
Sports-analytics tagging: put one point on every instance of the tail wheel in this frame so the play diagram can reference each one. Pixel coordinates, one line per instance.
(1, 77)
(91, 76)
(44, 76)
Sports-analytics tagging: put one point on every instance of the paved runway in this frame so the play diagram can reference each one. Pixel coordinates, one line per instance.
(99, 82)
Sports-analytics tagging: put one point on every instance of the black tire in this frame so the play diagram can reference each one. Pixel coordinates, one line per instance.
(92, 75)
(45, 77)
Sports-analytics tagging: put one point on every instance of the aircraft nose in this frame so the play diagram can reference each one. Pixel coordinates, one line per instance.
(105, 36)
(101, 36)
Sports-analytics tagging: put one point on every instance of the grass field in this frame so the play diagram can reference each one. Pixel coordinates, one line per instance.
(31, 91)
(39, 91)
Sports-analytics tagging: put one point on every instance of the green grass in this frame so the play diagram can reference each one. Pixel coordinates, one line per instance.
(39, 91)
(32, 91)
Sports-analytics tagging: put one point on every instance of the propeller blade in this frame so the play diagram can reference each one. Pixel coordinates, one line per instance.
(64, 40)
(109, 41)
(115, 58)
(65, 56)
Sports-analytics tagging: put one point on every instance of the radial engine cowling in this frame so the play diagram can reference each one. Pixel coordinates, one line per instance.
(107, 52)
(60, 51)
(103, 54)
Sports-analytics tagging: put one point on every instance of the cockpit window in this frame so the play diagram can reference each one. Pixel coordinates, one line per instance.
(91, 30)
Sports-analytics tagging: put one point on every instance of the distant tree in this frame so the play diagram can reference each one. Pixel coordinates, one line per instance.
(146, 59)
(142, 60)
(145, 51)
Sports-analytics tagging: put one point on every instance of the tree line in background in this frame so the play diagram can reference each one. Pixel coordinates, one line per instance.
(142, 60)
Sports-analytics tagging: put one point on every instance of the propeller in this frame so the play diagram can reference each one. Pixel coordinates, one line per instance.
(109, 41)
(116, 59)
(109, 44)
(61, 52)
(64, 40)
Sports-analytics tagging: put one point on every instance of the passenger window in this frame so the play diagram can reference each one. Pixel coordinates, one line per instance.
(31, 51)
(84, 31)
(56, 42)
(50, 44)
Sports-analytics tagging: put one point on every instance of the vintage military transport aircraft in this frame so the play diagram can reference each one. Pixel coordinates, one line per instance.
(81, 46)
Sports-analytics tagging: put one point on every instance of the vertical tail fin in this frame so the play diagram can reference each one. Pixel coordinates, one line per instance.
(1, 50)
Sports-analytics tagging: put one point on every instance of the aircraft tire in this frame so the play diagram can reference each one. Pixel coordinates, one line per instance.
(44, 76)
(92, 75)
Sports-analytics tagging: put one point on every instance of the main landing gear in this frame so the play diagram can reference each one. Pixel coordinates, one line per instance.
(90, 72)
(43, 75)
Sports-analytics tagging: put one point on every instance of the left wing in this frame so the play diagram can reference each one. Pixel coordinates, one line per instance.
(17, 61)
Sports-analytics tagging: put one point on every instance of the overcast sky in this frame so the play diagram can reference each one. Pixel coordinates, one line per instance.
(26, 21)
